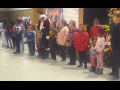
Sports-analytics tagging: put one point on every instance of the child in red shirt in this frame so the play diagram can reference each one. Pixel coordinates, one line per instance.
(81, 41)
(94, 29)
(12, 36)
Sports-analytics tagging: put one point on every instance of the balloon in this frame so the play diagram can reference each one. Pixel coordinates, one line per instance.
(108, 15)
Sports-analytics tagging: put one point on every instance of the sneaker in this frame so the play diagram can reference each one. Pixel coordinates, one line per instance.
(16, 53)
(111, 74)
(38, 56)
(113, 78)
(12, 48)
(53, 60)
(79, 66)
(63, 62)
(7, 47)
(69, 63)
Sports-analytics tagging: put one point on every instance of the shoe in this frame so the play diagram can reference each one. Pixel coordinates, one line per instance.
(53, 60)
(7, 47)
(94, 69)
(73, 63)
(69, 63)
(63, 62)
(12, 48)
(91, 70)
(100, 72)
(15, 52)
(38, 56)
(113, 78)
(97, 70)
(79, 66)
(111, 74)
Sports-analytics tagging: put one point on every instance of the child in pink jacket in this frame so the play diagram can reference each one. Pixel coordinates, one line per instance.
(99, 47)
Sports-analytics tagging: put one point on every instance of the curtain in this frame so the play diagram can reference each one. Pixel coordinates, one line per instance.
(90, 13)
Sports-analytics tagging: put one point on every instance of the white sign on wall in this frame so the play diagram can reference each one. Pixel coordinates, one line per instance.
(71, 14)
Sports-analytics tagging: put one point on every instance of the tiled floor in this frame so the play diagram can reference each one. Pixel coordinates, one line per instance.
(28, 68)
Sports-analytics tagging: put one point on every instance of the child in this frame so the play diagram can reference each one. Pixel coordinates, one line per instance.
(70, 42)
(30, 39)
(38, 44)
(94, 29)
(81, 41)
(18, 36)
(61, 40)
(43, 43)
(93, 56)
(53, 45)
(99, 47)
(11, 24)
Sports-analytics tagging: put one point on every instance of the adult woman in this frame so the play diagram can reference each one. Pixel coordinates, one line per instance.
(70, 42)
(7, 32)
(61, 39)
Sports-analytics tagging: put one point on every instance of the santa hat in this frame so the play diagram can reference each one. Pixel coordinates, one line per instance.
(42, 15)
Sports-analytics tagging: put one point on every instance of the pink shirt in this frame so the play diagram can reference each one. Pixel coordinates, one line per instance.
(22, 27)
(100, 44)
(62, 36)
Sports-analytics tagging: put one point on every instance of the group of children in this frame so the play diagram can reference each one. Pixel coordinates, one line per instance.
(75, 39)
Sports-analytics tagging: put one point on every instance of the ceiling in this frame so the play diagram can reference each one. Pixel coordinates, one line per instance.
(13, 9)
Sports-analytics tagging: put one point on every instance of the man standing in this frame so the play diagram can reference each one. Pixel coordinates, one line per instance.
(23, 34)
(44, 22)
(115, 44)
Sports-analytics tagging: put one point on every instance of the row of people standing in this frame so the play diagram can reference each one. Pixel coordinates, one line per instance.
(13, 34)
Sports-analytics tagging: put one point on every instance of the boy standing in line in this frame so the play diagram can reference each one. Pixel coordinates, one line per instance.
(18, 36)
(30, 39)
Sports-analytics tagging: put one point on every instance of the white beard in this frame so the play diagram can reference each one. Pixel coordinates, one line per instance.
(41, 24)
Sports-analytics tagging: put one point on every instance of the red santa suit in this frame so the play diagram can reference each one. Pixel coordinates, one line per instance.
(44, 23)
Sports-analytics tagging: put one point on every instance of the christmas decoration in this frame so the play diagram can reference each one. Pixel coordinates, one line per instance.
(111, 12)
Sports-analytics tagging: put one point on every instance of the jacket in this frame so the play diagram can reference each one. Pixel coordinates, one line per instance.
(33, 36)
(81, 41)
(111, 27)
(94, 31)
(6, 28)
(92, 52)
(70, 36)
(100, 44)
(115, 38)
(46, 24)
(53, 42)
(62, 36)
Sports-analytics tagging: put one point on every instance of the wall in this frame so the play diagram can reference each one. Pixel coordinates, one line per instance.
(12, 15)
(3, 14)
(80, 15)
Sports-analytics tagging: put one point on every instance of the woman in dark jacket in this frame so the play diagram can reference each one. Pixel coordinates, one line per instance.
(7, 32)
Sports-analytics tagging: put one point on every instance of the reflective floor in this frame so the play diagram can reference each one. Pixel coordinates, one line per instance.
(23, 67)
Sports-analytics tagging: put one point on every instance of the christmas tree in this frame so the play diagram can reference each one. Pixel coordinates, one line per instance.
(110, 15)
(111, 11)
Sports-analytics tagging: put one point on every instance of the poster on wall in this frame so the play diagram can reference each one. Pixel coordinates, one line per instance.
(55, 15)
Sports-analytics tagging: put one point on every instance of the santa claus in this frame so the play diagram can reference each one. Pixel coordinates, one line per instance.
(44, 22)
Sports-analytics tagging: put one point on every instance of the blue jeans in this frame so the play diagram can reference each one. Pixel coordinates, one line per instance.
(22, 42)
